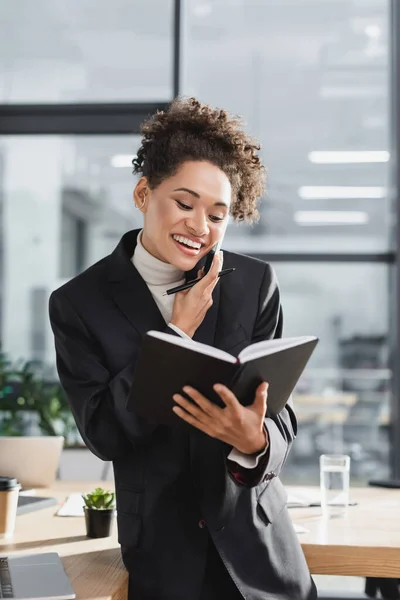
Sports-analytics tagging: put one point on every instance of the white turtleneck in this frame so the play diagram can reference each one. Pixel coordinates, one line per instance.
(160, 276)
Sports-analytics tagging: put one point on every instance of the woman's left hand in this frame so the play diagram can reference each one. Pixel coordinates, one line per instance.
(242, 427)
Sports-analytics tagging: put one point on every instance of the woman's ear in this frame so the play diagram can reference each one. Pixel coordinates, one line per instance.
(140, 194)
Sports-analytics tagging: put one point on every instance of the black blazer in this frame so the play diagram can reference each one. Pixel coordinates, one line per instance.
(169, 483)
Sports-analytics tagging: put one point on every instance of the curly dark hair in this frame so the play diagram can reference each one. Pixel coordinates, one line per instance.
(189, 130)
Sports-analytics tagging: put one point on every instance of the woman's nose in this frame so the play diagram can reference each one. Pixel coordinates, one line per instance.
(197, 225)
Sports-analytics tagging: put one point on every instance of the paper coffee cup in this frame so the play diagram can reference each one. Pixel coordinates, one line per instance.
(9, 492)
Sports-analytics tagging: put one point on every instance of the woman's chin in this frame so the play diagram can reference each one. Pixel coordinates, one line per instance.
(184, 263)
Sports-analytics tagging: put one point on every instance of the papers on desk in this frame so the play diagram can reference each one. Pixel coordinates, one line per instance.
(300, 500)
(27, 492)
(299, 528)
(72, 507)
(306, 501)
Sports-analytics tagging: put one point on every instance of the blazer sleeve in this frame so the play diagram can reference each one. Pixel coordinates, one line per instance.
(97, 400)
(281, 429)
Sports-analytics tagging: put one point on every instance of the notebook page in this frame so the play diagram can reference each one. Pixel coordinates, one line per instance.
(267, 347)
(192, 345)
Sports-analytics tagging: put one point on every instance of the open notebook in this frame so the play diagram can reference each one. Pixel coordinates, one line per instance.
(168, 362)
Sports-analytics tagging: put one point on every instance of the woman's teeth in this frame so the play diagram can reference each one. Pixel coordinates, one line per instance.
(187, 242)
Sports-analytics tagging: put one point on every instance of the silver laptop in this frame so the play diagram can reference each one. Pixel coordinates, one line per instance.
(34, 577)
(32, 460)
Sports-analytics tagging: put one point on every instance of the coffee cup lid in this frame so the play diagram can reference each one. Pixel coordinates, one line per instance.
(8, 483)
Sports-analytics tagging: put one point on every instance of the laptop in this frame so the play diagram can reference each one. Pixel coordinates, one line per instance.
(34, 577)
(32, 460)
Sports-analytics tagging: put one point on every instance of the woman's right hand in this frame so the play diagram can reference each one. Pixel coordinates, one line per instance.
(191, 306)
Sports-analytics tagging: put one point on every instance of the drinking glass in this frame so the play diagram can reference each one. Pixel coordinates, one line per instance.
(335, 477)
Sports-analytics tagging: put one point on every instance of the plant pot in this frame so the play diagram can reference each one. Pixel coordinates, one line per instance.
(98, 522)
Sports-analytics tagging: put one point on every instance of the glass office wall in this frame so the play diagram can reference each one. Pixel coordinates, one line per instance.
(94, 51)
(310, 79)
(342, 400)
(66, 201)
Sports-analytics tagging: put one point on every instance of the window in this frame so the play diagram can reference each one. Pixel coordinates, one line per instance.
(66, 201)
(74, 232)
(94, 51)
(343, 398)
(311, 80)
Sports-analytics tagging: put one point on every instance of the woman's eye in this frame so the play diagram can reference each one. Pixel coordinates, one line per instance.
(216, 219)
(183, 206)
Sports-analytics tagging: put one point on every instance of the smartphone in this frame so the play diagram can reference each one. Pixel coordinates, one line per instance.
(210, 256)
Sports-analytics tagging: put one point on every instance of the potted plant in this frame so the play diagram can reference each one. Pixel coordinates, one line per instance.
(29, 402)
(99, 512)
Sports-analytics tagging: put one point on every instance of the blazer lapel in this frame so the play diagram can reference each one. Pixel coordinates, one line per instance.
(129, 290)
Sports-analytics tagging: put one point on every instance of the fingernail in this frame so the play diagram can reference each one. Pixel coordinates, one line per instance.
(217, 387)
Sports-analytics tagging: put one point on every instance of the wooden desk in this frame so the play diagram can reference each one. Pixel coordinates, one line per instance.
(365, 543)
(94, 566)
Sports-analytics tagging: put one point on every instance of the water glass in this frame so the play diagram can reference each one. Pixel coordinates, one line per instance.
(335, 477)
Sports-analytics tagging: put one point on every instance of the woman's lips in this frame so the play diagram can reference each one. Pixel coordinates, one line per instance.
(186, 249)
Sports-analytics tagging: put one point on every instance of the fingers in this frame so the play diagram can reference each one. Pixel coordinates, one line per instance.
(193, 414)
(207, 407)
(262, 388)
(191, 420)
(260, 400)
(189, 407)
(226, 395)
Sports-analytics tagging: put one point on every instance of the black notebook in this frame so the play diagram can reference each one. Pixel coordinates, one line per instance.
(168, 362)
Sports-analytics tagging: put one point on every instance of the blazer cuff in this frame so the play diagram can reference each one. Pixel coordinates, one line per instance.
(248, 461)
(270, 464)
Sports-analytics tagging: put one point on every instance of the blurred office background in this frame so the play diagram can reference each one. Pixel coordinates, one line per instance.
(312, 80)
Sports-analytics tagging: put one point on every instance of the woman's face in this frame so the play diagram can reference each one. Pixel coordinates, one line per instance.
(186, 214)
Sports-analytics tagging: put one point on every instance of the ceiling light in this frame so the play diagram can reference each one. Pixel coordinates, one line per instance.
(334, 192)
(331, 157)
(330, 217)
(373, 31)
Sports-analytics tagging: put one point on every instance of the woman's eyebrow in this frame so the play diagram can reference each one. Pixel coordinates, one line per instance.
(183, 189)
(196, 195)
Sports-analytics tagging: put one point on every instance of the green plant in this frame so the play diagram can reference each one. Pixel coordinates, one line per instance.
(22, 390)
(99, 499)
(11, 422)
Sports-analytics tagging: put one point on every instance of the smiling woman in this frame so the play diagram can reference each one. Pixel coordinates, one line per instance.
(186, 214)
(197, 167)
